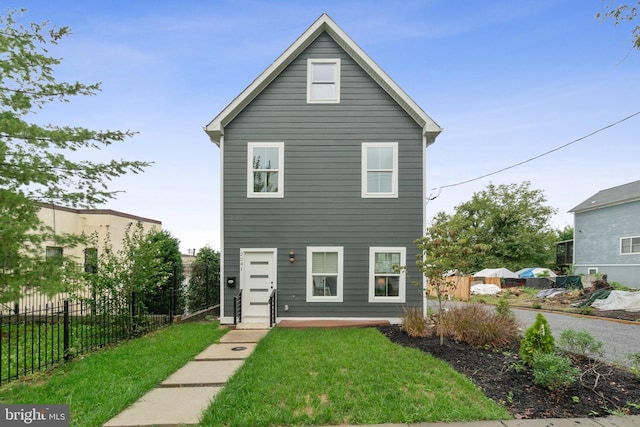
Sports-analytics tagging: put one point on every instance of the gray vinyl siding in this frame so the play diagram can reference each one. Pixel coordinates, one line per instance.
(597, 242)
(322, 204)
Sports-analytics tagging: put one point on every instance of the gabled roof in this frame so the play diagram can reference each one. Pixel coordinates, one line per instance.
(215, 129)
(611, 196)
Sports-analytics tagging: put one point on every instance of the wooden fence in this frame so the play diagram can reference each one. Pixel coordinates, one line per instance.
(463, 284)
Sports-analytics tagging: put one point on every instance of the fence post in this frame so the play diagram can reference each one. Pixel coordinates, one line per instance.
(174, 293)
(67, 356)
(207, 283)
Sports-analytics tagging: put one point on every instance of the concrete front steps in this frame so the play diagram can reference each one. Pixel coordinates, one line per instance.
(181, 399)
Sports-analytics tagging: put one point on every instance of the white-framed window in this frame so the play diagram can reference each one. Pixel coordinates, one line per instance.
(324, 273)
(380, 169)
(386, 282)
(323, 81)
(592, 270)
(630, 245)
(265, 169)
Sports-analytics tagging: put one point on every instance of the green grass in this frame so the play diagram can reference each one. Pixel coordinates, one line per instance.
(99, 385)
(29, 347)
(338, 376)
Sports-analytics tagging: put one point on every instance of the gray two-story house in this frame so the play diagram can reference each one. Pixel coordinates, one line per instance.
(607, 234)
(323, 187)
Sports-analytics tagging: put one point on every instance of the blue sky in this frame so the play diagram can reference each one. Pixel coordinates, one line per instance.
(506, 79)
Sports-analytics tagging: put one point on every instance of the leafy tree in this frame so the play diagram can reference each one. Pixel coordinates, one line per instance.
(564, 234)
(123, 277)
(36, 164)
(159, 296)
(512, 220)
(204, 284)
(441, 251)
(620, 14)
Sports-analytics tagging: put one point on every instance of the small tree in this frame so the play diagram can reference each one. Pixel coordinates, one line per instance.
(441, 252)
(124, 276)
(204, 284)
(159, 297)
(537, 339)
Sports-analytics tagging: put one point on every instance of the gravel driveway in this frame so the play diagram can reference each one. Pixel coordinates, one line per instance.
(619, 339)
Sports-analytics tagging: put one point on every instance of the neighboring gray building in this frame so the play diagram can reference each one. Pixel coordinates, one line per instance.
(607, 234)
(323, 186)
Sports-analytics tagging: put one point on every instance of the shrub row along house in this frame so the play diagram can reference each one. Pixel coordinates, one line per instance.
(323, 183)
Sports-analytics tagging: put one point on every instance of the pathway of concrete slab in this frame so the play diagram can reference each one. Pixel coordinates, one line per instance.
(180, 399)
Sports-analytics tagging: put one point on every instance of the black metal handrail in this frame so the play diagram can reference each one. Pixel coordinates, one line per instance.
(272, 308)
(237, 308)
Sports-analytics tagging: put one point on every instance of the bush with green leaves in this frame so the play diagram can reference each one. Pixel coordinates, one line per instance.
(553, 371)
(503, 308)
(537, 339)
(581, 343)
(479, 327)
(203, 290)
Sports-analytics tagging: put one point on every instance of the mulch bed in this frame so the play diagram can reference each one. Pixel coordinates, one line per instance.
(601, 391)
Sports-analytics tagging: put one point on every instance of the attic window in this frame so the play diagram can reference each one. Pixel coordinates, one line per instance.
(323, 81)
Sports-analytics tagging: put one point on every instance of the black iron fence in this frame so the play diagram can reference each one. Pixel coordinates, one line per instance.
(38, 339)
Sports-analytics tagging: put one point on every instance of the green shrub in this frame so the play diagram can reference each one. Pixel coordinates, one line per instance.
(587, 310)
(480, 327)
(582, 343)
(536, 305)
(537, 339)
(620, 287)
(553, 371)
(635, 363)
(503, 308)
(415, 324)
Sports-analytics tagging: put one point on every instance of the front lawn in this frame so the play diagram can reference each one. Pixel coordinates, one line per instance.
(344, 376)
(99, 385)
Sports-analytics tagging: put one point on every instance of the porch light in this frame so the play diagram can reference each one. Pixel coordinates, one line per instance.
(292, 257)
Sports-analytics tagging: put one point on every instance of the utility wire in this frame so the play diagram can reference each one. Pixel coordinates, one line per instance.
(532, 158)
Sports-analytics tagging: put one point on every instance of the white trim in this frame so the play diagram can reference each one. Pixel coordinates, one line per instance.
(339, 280)
(392, 320)
(223, 280)
(280, 170)
(336, 81)
(402, 285)
(215, 128)
(592, 268)
(394, 173)
(425, 157)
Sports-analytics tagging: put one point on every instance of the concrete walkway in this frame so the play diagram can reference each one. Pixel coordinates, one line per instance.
(181, 399)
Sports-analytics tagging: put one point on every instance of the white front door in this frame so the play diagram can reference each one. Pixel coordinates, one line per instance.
(259, 278)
